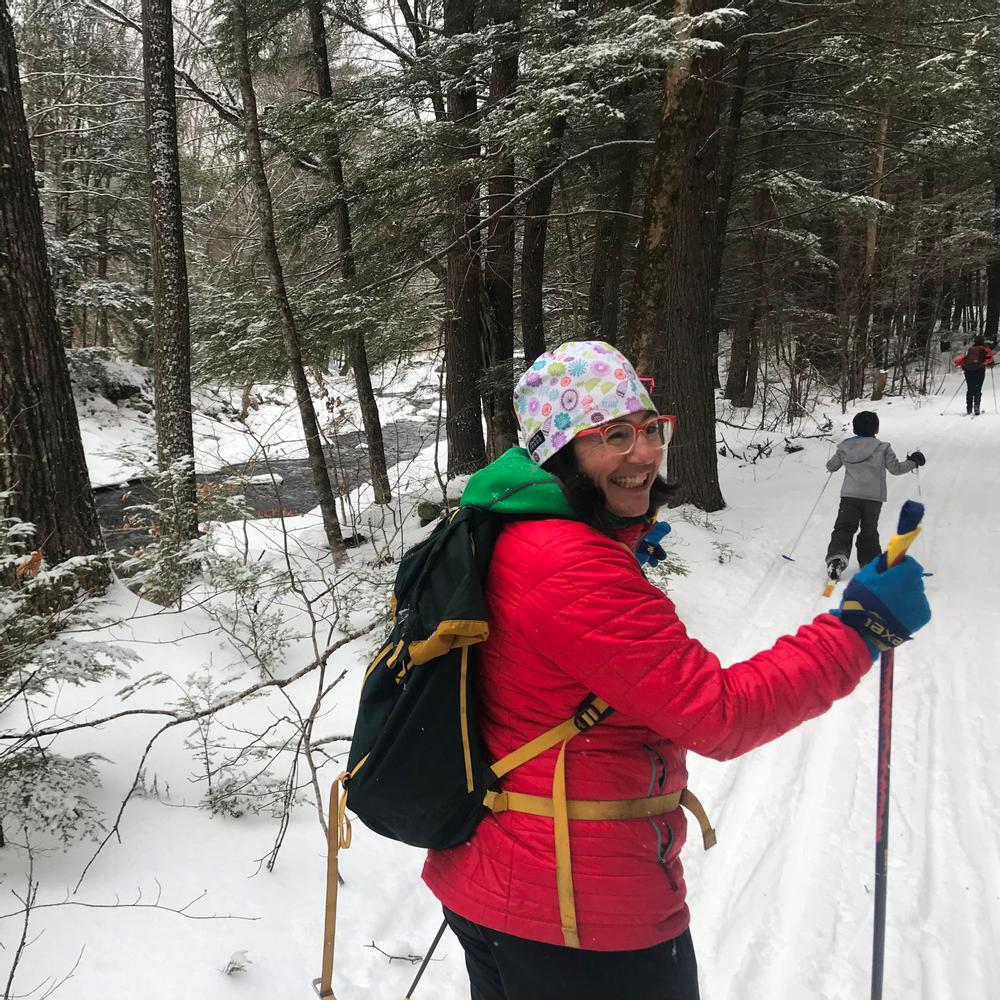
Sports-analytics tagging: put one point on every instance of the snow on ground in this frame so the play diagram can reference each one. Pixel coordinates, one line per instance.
(782, 908)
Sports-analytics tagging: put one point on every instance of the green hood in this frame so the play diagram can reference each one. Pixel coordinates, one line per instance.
(513, 484)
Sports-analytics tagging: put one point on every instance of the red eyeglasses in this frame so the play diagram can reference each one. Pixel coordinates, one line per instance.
(620, 436)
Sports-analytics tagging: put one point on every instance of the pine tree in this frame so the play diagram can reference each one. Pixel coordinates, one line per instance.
(171, 329)
(43, 471)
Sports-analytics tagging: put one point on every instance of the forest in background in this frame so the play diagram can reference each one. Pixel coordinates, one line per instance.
(764, 205)
(790, 197)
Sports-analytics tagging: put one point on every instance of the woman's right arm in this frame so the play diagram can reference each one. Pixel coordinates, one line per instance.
(594, 614)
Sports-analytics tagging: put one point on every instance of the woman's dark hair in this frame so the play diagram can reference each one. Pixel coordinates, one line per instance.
(980, 341)
(587, 498)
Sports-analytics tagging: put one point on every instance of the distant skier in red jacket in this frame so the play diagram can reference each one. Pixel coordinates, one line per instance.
(556, 896)
(974, 363)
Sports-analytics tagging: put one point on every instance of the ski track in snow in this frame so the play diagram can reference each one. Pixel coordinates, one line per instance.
(781, 908)
(786, 909)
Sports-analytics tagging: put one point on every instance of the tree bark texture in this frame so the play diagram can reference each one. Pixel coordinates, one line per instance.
(357, 351)
(499, 259)
(171, 326)
(992, 326)
(536, 227)
(727, 172)
(420, 33)
(463, 352)
(604, 305)
(864, 346)
(926, 312)
(42, 462)
(669, 333)
(269, 251)
(741, 383)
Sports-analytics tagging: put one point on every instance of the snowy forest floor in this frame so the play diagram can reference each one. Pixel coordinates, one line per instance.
(782, 908)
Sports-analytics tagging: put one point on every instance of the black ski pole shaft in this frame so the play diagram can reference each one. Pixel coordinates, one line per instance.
(908, 529)
(427, 958)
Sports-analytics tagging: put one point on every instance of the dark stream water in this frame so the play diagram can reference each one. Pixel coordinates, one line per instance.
(295, 494)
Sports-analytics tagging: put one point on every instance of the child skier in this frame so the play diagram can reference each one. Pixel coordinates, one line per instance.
(974, 363)
(865, 460)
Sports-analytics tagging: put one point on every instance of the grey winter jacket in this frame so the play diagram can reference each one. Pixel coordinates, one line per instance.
(865, 461)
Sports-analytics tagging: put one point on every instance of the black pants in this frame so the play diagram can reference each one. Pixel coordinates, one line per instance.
(974, 389)
(503, 967)
(855, 514)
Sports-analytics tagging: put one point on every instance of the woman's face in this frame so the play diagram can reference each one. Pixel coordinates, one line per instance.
(625, 479)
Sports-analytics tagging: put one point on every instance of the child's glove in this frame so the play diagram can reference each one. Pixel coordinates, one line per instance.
(917, 457)
(649, 551)
(886, 607)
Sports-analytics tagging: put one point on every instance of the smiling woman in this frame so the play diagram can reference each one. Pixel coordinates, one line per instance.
(587, 395)
(623, 458)
(572, 885)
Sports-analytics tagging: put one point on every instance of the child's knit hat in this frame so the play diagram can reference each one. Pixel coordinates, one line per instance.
(866, 423)
(580, 384)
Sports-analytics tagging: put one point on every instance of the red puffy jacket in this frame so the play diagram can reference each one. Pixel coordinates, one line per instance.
(573, 613)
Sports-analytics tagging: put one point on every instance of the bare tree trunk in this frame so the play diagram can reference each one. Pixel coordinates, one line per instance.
(345, 245)
(536, 227)
(741, 385)
(727, 172)
(42, 463)
(102, 333)
(499, 261)
(927, 295)
(992, 327)
(463, 329)
(420, 33)
(171, 328)
(269, 251)
(669, 335)
(604, 306)
(862, 348)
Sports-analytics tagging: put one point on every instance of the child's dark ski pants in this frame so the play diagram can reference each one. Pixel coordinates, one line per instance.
(503, 967)
(855, 514)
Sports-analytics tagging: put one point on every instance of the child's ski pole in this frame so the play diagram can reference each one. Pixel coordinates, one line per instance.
(958, 389)
(907, 530)
(807, 520)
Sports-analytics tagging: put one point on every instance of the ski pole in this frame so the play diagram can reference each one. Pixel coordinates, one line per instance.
(906, 531)
(808, 519)
(427, 958)
(952, 400)
(993, 383)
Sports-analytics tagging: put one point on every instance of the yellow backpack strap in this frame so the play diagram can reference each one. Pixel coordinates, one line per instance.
(338, 836)
(691, 802)
(564, 865)
(591, 712)
(561, 810)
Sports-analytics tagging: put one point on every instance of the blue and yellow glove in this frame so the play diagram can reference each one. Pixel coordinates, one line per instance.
(649, 551)
(885, 606)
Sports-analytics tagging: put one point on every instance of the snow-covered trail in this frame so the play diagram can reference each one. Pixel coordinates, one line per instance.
(782, 908)
(785, 908)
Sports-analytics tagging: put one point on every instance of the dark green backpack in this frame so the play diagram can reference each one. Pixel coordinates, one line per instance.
(417, 770)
